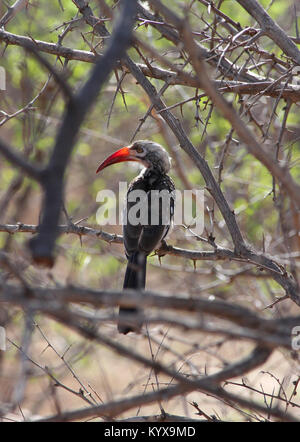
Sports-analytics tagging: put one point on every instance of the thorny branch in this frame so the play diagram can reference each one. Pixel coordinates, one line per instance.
(209, 384)
(268, 88)
(53, 175)
(212, 186)
(213, 63)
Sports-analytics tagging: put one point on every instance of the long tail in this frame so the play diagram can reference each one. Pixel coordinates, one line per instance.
(135, 278)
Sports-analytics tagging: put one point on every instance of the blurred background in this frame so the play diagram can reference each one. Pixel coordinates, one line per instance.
(64, 368)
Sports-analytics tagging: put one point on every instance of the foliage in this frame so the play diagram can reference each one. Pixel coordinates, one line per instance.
(260, 91)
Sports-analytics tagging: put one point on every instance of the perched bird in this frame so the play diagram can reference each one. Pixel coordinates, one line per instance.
(154, 190)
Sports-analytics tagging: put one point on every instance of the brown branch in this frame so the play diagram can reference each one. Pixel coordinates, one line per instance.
(67, 229)
(53, 175)
(19, 161)
(227, 68)
(52, 300)
(221, 14)
(187, 146)
(267, 88)
(240, 248)
(12, 11)
(64, 86)
(49, 48)
(63, 303)
(163, 417)
(218, 254)
(207, 384)
(281, 173)
(178, 131)
(271, 28)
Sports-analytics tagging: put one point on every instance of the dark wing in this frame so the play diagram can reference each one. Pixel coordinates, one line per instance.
(131, 232)
(159, 195)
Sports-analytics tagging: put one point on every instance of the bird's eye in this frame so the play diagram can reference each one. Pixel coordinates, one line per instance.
(139, 149)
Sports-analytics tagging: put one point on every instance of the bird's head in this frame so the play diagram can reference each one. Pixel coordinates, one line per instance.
(151, 155)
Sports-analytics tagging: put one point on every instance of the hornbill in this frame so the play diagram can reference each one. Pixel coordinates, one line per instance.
(142, 235)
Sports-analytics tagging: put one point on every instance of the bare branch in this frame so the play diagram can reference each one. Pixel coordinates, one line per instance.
(20, 162)
(267, 88)
(53, 175)
(49, 48)
(51, 301)
(12, 11)
(280, 172)
(271, 29)
(218, 307)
